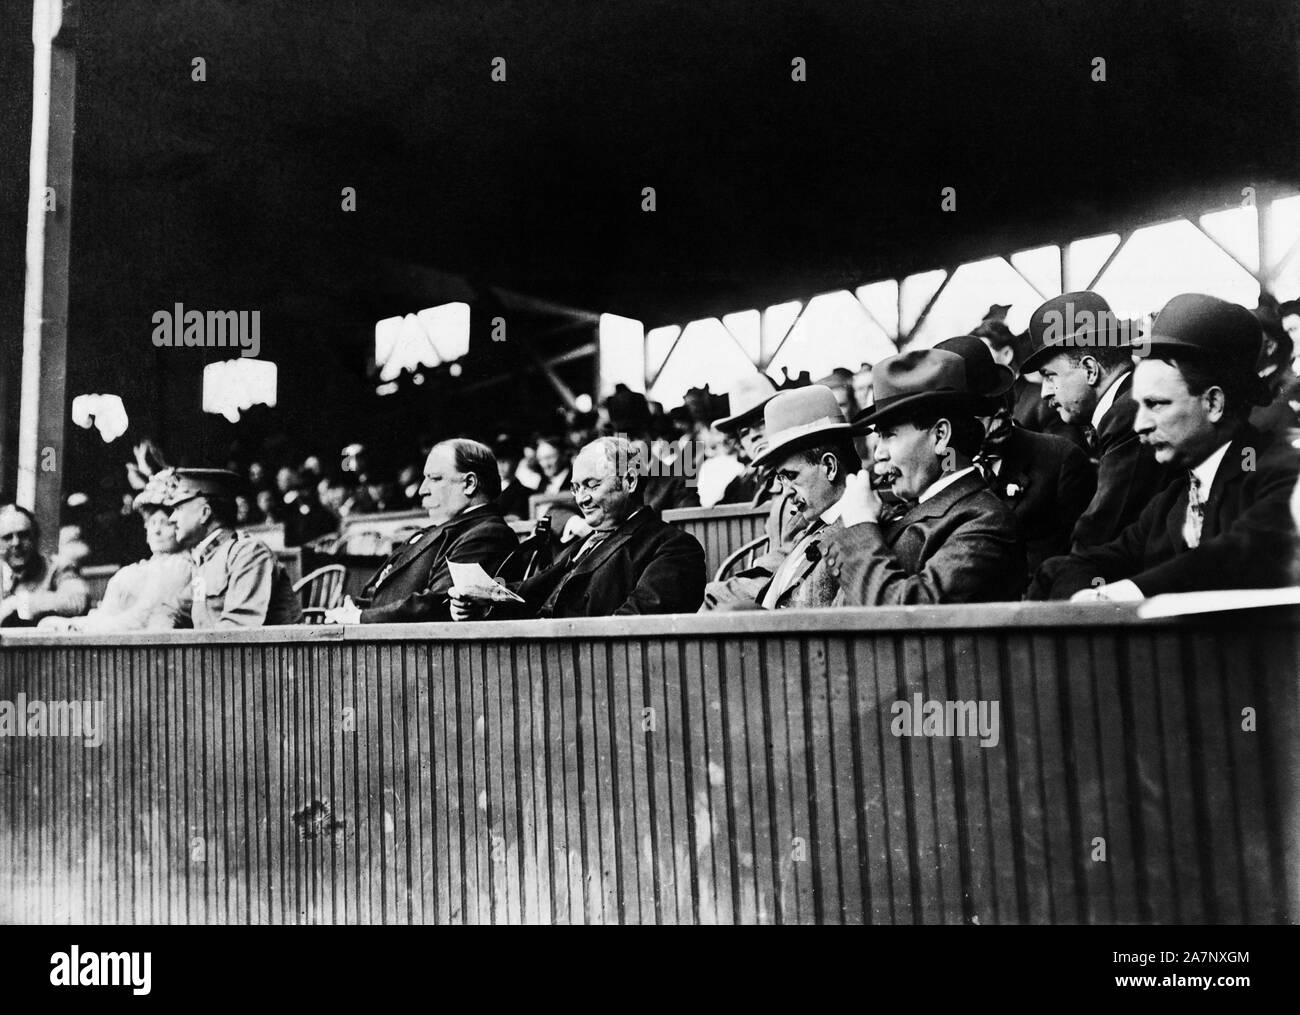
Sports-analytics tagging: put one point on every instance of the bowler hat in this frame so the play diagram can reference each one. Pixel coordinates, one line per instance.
(921, 381)
(798, 418)
(746, 400)
(1204, 326)
(984, 375)
(191, 483)
(1078, 320)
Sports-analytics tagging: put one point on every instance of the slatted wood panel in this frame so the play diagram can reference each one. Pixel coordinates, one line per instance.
(721, 530)
(671, 770)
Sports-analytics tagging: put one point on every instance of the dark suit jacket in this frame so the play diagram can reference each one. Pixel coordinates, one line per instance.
(1246, 534)
(412, 585)
(1048, 483)
(963, 545)
(514, 499)
(646, 566)
(1128, 476)
(1032, 413)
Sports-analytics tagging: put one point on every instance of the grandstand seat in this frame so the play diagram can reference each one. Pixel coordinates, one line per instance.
(741, 558)
(320, 591)
(533, 553)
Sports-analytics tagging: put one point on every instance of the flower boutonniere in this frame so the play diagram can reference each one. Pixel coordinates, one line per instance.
(1015, 488)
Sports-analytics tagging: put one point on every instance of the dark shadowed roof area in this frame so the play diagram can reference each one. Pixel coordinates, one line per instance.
(226, 193)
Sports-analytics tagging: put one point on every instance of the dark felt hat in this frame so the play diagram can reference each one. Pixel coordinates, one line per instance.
(916, 383)
(1205, 326)
(1078, 320)
(984, 375)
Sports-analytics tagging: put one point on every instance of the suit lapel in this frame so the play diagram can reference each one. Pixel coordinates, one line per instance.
(806, 566)
(1229, 473)
(941, 503)
(610, 546)
(413, 551)
(1117, 423)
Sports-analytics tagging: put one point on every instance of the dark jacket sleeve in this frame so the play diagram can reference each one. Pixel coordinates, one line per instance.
(964, 569)
(673, 581)
(1249, 553)
(1076, 486)
(488, 545)
(1128, 478)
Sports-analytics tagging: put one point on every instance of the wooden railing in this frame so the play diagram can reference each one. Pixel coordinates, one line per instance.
(721, 530)
(738, 768)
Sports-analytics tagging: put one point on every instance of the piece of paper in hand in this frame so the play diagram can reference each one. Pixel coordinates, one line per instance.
(472, 577)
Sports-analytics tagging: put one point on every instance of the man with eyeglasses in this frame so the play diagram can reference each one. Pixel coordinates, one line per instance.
(630, 563)
(461, 482)
(237, 580)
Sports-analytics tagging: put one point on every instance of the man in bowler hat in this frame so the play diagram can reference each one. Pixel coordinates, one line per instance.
(1085, 356)
(1224, 521)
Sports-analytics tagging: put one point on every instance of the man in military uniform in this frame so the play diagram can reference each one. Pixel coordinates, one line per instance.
(237, 581)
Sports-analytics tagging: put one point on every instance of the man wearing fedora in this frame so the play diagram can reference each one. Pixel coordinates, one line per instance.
(1085, 356)
(237, 580)
(1046, 480)
(1224, 521)
(809, 448)
(748, 398)
(956, 542)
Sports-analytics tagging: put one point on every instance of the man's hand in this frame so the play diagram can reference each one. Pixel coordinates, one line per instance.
(1117, 592)
(575, 528)
(348, 613)
(860, 502)
(468, 604)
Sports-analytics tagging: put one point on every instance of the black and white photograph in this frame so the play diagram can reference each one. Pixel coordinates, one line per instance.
(649, 463)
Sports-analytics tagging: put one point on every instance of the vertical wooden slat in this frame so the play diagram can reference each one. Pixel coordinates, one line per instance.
(969, 766)
(1215, 810)
(1064, 849)
(1179, 779)
(1117, 791)
(1085, 776)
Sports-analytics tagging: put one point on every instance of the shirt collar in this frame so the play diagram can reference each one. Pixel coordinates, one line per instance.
(832, 513)
(942, 483)
(206, 543)
(1208, 469)
(1107, 398)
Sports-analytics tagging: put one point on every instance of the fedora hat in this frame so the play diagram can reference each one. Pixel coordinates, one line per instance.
(798, 418)
(746, 400)
(984, 375)
(1078, 320)
(924, 380)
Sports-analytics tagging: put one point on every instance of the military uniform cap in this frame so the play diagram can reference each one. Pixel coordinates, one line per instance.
(191, 483)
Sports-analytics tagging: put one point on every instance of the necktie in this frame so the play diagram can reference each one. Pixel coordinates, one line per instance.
(987, 463)
(799, 557)
(1195, 513)
(1090, 438)
(594, 541)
